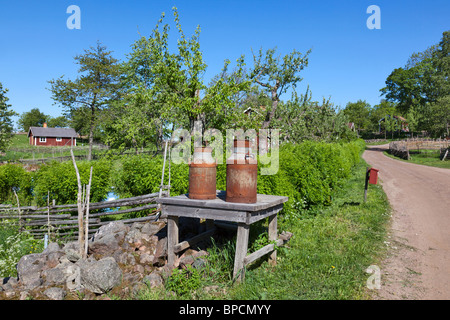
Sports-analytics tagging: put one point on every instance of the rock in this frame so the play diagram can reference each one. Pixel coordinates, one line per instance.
(52, 247)
(153, 280)
(146, 258)
(100, 276)
(72, 255)
(151, 228)
(110, 228)
(29, 270)
(53, 258)
(107, 243)
(160, 252)
(55, 293)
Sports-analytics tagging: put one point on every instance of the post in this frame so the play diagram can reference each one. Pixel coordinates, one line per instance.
(273, 235)
(367, 184)
(88, 196)
(172, 239)
(241, 251)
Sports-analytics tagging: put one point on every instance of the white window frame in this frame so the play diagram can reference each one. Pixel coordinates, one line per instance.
(42, 139)
(58, 139)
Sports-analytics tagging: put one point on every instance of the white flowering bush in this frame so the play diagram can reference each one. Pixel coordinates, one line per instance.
(14, 245)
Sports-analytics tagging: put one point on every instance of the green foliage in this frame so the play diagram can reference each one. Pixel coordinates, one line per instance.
(6, 125)
(422, 85)
(61, 180)
(358, 113)
(14, 245)
(15, 176)
(308, 173)
(184, 281)
(141, 174)
(32, 118)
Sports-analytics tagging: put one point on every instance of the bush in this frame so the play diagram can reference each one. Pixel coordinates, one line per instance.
(308, 173)
(14, 245)
(61, 181)
(15, 176)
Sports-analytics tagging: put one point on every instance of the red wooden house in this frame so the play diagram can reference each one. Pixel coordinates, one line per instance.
(53, 137)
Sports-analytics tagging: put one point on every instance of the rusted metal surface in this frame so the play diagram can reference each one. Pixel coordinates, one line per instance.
(241, 183)
(202, 175)
(242, 174)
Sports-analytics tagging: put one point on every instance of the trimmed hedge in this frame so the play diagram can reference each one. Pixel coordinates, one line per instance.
(308, 173)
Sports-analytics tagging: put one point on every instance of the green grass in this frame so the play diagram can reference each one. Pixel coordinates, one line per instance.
(425, 157)
(326, 258)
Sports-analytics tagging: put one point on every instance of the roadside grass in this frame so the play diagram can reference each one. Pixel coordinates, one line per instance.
(325, 259)
(425, 157)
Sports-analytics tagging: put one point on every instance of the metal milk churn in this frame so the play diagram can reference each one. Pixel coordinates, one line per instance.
(242, 174)
(202, 175)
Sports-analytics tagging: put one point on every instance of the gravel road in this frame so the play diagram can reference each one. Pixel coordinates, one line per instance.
(418, 261)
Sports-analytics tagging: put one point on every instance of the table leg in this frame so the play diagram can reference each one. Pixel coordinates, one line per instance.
(172, 239)
(241, 251)
(273, 235)
(209, 224)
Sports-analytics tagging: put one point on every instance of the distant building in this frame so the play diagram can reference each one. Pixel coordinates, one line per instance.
(53, 137)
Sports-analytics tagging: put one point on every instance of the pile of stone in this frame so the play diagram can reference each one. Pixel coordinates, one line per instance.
(120, 258)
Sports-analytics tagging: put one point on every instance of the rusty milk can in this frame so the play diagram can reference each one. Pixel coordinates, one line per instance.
(242, 174)
(202, 175)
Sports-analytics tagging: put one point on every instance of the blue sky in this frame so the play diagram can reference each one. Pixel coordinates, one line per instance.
(348, 61)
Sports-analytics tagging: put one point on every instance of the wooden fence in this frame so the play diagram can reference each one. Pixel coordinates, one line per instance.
(62, 219)
(403, 148)
(399, 149)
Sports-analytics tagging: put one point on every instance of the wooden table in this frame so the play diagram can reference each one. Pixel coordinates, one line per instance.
(267, 206)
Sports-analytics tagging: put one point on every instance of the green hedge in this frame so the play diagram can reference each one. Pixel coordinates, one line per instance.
(60, 180)
(15, 176)
(308, 173)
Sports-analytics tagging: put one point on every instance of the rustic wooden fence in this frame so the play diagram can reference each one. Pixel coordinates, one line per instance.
(62, 219)
(399, 149)
(403, 148)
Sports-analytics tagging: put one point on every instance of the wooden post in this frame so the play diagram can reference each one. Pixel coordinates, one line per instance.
(241, 251)
(273, 236)
(88, 196)
(18, 209)
(172, 239)
(367, 184)
(80, 208)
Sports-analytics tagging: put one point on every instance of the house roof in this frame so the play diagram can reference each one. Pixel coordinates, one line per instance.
(52, 132)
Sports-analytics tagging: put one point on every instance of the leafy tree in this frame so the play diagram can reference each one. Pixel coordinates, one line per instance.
(423, 85)
(379, 112)
(92, 91)
(6, 126)
(168, 89)
(32, 118)
(301, 119)
(358, 113)
(276, 75)
(440, 121)
(57, 122)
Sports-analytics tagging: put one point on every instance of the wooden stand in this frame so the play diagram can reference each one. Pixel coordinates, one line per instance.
(267, 206)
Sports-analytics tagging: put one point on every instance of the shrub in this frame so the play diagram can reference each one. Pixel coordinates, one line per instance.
(308, 173)
(15, 176)
(61, 181)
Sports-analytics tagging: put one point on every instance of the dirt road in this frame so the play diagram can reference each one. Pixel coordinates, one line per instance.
(418, 263)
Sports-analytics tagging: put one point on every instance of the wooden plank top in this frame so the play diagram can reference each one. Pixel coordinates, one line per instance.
(263, 201)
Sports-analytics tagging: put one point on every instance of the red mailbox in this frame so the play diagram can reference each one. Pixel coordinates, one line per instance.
(373, 175)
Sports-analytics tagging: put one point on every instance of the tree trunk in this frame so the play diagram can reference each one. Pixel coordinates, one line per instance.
(275, 101)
